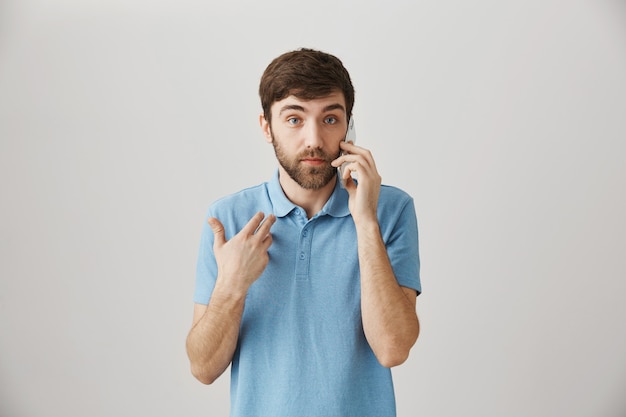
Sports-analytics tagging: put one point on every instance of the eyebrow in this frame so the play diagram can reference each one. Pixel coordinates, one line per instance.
(335, 106)
(297, 107)
(290, 107)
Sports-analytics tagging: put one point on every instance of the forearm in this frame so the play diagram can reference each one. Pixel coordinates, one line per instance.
(390, 322)
(213, 338)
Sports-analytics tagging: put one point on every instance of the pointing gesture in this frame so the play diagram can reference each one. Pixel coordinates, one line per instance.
(242, 259)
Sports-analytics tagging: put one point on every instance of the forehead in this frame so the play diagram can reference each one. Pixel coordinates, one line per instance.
(333, 101)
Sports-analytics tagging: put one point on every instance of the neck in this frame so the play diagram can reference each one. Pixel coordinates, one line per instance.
(311, 201)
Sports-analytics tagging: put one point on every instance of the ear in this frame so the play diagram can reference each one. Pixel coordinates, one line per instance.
(266, 128)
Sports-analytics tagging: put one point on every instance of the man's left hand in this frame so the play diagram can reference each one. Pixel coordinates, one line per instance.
(364, 197)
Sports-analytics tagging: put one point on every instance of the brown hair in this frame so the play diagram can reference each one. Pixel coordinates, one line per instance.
(306, 74)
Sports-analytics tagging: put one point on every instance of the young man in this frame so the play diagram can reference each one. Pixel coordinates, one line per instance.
(307, 284)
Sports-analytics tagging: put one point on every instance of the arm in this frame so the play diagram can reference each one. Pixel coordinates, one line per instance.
(213, 337)
(388, 311)
(389, 319)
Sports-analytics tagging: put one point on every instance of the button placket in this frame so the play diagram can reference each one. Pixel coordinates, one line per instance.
(304, 253)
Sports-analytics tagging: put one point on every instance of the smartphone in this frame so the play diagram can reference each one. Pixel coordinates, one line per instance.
(351, 133)
(350, 137)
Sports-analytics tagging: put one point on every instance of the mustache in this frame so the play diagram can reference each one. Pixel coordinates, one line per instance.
(318, 154)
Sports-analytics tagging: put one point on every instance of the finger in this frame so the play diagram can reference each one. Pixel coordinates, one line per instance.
(370, 159)
(253, 224)
(267, 241)
(338, 161)
(362, 154)
(350, 186)
(264, 228)
(353, 169)
(343, 159)
(348, 146)
(218, 231)
(346, 177)
(348, 158)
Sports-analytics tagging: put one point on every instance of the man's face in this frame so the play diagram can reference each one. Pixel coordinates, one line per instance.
(306, 136)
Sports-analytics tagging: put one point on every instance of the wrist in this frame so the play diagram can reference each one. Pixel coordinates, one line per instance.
(366, 224)
(226, 290)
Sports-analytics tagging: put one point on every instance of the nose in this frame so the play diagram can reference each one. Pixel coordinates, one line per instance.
(313, 135)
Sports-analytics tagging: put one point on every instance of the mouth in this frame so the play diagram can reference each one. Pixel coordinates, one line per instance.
(313, 161)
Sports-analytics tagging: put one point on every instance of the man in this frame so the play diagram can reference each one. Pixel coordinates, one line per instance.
(307, 284)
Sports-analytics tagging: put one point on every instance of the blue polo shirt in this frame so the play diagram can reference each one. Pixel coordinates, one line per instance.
(301, 350)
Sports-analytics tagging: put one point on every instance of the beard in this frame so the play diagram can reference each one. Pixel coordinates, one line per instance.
(308, 177)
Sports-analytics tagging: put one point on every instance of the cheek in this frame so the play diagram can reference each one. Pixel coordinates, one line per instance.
(336, 148)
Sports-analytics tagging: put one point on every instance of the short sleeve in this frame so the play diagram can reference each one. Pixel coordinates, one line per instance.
(402, 242)
(206, 269)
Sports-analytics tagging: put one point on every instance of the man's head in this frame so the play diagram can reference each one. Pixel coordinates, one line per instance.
(307, 99)
(306, 74)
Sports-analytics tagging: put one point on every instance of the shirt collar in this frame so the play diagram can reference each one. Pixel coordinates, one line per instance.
(336, 206)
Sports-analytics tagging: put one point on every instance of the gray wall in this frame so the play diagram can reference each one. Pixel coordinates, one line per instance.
(120, 121)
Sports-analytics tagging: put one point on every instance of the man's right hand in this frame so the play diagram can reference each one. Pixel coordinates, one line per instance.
(242, 259)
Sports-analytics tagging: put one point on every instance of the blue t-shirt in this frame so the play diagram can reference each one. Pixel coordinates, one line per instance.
(301, 349)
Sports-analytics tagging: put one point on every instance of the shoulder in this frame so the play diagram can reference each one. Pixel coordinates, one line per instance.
(393, 196)
(241, 206)
(251, 195)
(395, 206)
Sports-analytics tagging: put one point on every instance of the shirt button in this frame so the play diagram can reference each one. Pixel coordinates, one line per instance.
(305, 233)
(302, 255)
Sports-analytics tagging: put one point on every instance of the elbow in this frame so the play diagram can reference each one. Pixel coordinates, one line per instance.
(202, 367)
(202, 375)
(396, 352)
(204, 372)
(393, 358)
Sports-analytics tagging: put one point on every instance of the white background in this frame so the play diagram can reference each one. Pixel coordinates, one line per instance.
(121, 121)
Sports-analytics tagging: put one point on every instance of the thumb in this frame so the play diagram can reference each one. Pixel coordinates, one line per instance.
(218, 230)
(349, 185)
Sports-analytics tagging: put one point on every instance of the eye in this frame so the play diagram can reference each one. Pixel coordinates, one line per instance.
(331, 120)
(293, 121)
